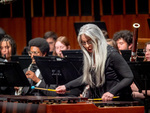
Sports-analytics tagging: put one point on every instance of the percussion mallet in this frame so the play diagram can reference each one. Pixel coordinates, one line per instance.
(33, 87)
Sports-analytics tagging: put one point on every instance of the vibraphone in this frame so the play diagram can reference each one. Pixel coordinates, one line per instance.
(47, 104)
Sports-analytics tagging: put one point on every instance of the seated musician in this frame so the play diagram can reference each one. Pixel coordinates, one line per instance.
(61, 44)
(37, 47)
(104, 70)
(136, 94)
(51, 38)
(7, 49)
(123, 39)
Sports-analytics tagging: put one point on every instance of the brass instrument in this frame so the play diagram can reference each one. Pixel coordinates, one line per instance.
(29, 68)
(5, 60)
(134, 42)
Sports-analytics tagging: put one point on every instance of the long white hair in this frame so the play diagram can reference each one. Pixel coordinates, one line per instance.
(99, 53)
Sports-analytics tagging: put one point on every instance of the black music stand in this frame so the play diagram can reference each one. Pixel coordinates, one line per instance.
(126, 54)
(75, 57)
(24, 60)
(74, 54)
(12, 75)
(56, 70)
(141, 72)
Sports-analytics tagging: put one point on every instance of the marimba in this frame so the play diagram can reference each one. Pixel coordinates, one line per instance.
(47, 104)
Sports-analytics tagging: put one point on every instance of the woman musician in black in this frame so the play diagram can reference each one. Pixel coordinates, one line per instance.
(104, 70)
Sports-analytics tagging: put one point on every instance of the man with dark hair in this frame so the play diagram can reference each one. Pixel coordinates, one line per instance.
(123, 39)
(37, 47)
(51, 37)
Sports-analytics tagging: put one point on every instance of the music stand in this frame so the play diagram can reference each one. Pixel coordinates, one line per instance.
(12, 75)
(78, 25)
(56, 70)
(75, 57)
(126, 54)
(75, 54)
(141, 72)
(24, 60)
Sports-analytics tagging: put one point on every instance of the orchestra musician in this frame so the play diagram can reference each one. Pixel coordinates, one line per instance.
(37, 47)
(61, 44)
(147, 51)
(123, 39)
(136, 94)
(7, 49)
(51, 38)
(104, 70)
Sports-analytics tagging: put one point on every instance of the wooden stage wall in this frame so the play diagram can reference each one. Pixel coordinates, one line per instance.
(64, 25)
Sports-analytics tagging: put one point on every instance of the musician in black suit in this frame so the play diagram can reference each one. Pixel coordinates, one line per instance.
(37, 47)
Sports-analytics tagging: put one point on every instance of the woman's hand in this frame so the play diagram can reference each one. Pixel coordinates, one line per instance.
(61, 89)
(134, 87)
(107, 96)
(138, 95)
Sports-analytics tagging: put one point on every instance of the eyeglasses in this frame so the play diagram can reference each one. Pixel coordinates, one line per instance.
(33, 52)
(89, 42)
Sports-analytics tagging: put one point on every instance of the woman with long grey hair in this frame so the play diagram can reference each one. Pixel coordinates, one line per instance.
(104, 69)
